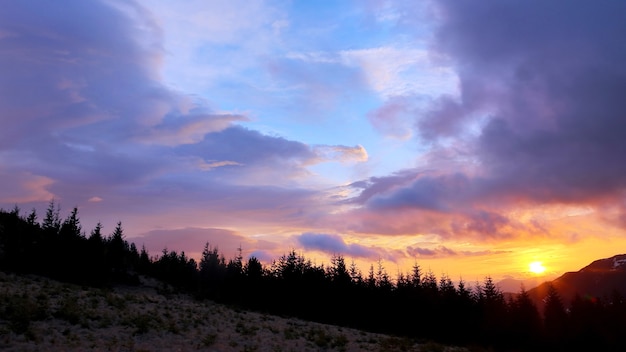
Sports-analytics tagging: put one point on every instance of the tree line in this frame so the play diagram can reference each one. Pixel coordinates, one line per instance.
(415, 304)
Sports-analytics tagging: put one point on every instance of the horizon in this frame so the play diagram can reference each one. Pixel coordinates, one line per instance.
(476, 139)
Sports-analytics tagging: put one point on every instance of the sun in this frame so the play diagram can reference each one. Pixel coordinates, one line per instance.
(536, 267)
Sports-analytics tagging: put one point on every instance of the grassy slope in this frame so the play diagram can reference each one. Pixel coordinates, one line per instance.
(41, 314)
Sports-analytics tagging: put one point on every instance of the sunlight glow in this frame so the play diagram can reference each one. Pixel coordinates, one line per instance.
(536, 267)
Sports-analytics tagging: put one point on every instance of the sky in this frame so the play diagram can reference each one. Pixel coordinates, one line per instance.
(469, 137)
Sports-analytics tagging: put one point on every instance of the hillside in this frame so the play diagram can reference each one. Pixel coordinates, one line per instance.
(598, 280)
(41, 314)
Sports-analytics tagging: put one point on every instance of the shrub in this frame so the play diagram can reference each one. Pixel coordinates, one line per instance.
(21, 310)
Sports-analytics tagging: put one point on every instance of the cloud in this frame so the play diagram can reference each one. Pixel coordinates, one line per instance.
(444, 252)
(405, 78)
(23, 187)
(260, 158)
(249, 147)
(438, 192)
(555, 126)
(212, 164)
(89, 120)
(395, 117)
(341, 153)
(394, 71)
(538, 121)
(177, 130)
(334, 244)
(440, 251)
(95, 199)
(265, 159)
(80, 89)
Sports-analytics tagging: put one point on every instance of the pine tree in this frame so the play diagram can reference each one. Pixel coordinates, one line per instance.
(429, 284)
(71, 229)
(235, 266)
(382, 278)
(555, 317)
(253, 269)
(117, 249)
(144, 265)
(212, 267)
(32, 218)
(371, 279)
(338, 271)
(355, 273)
(525, 318)
(96, 234)
(52, 223)
(492, 296)
(416, 276)
(464, 294)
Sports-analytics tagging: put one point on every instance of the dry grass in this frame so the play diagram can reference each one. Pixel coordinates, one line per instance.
(41, 314)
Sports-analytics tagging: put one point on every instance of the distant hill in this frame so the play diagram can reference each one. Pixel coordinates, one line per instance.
(513, 286)
(595, 281)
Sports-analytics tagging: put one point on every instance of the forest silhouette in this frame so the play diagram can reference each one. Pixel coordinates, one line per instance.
(416, 304)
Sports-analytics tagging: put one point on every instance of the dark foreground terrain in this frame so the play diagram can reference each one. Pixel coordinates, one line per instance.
(40, 314)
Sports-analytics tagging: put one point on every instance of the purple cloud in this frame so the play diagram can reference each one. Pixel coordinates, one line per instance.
(329, 243)
(80, 91)
(440, 251)
(555, 129)
(439, 193)
(539, 120)
(86, 117)
(249, 148)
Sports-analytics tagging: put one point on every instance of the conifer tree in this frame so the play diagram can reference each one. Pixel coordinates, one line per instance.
(117, 249)
(253, 269)
(416, 276)
(464, 294)
(492, 296)
(338, 271)
(429, 284)
(446, 287)
(555, 317)
(96, 234)
(71, 229)
(355, 274)
(382, 278)
(52, 223)
(32, 218)
(525, 319)
(371, 279)
(235, 266)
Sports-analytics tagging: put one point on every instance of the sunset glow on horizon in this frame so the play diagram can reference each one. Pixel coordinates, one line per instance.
(475, 138)
(536, 268)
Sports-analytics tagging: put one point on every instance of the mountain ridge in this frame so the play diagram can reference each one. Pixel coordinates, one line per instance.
(598, 280)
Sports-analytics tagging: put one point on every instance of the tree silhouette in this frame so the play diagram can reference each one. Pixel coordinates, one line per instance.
(338, 271)
(52, 223)
(525, 319)
(32, 218)
(212, 272)
(493, 307)
(414, 305)
(554, 316)
(117, 255)
(70, 229)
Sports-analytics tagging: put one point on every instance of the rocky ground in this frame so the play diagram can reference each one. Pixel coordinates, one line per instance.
(39, 314)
